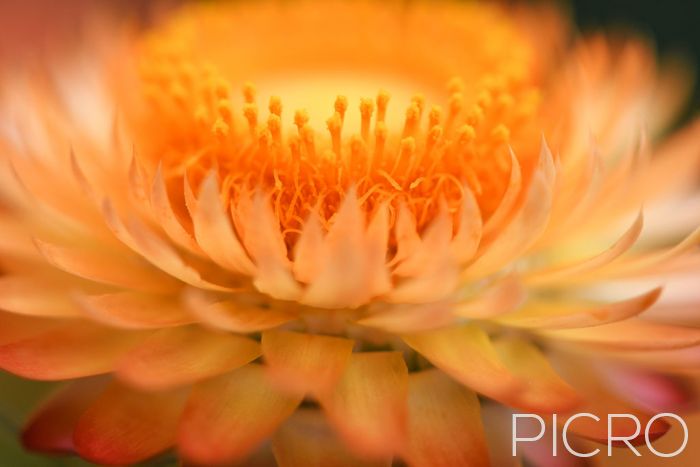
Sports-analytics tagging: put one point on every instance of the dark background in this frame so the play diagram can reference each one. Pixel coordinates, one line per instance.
(674, 26)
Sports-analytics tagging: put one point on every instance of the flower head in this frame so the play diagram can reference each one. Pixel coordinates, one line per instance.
(329, 230)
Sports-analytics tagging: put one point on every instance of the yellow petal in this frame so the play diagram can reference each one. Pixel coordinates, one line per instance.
(444, 423)
(305, 363)
(368, 406)
(465, 352)
(36, 296)
(228, 417)
(305, 439)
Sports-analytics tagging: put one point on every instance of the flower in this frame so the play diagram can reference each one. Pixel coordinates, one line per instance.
(346, 279)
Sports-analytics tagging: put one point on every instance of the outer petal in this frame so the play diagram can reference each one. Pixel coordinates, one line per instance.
(18, 294)
(368, 406)
(545, 391)
(178, 356)
(631, 334)
(444, 424)
(228, 417)
(50, 429)
(307, 440)
(466, 354)
(305, 363)
(129, 310)
(73, 351)
(568, 314)
(124, 426)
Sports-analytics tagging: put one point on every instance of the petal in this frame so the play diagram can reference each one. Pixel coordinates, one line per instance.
(107, 268)
(622, 245)
(544, 391)
(18, 294)
(528, 223)
(166, 217)
(50, 428)
(17, 327)
(72, 351)
(178, 356)
(401, 319)
(466, 353)
(263, 240)
(238, 315)
(227, 418)
(214, 232)
(305, 439)
(368, 406)
(553, 314)
(308, 249)
(502, 213)
(466, 241)
(129, 310)
(631, 334)
(124, 426)
(504, 296)
(444, 424)
(140, 238)
(305, 363)
(343, 278)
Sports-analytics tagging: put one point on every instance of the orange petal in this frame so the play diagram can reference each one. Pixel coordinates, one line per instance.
(495, 223)
(124, 426)
(129, 310)
(444, 424)
(305, 363)
(466, 241)
(631, 334)
(214, 232)
(100, 266)
(308, 249)
(368, 406)
(165, 215)
(72, 351)
(305, 439)
(244, 314)
(177, 356)
(466, 353)
(544, 391)
(227, 418)
(140, 238)
(17, 327)
(570, 314)
(50, 428)
(35, 296)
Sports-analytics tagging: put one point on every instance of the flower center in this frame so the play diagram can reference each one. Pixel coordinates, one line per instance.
(305, 146)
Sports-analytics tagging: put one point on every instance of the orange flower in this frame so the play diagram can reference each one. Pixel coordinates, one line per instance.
(312, 272)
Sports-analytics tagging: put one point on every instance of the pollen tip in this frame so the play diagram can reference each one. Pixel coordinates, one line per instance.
(341, 105)
(501, 133)
(301, 118)
(249, 92)
(275, 106)
(466, 133)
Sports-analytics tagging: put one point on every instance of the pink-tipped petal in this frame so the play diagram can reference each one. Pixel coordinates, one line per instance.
(124, 426)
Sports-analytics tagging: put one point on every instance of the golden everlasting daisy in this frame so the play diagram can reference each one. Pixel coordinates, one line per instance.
(412, 213)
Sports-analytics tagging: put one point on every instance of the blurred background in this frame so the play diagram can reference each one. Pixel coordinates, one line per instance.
(27, 27)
